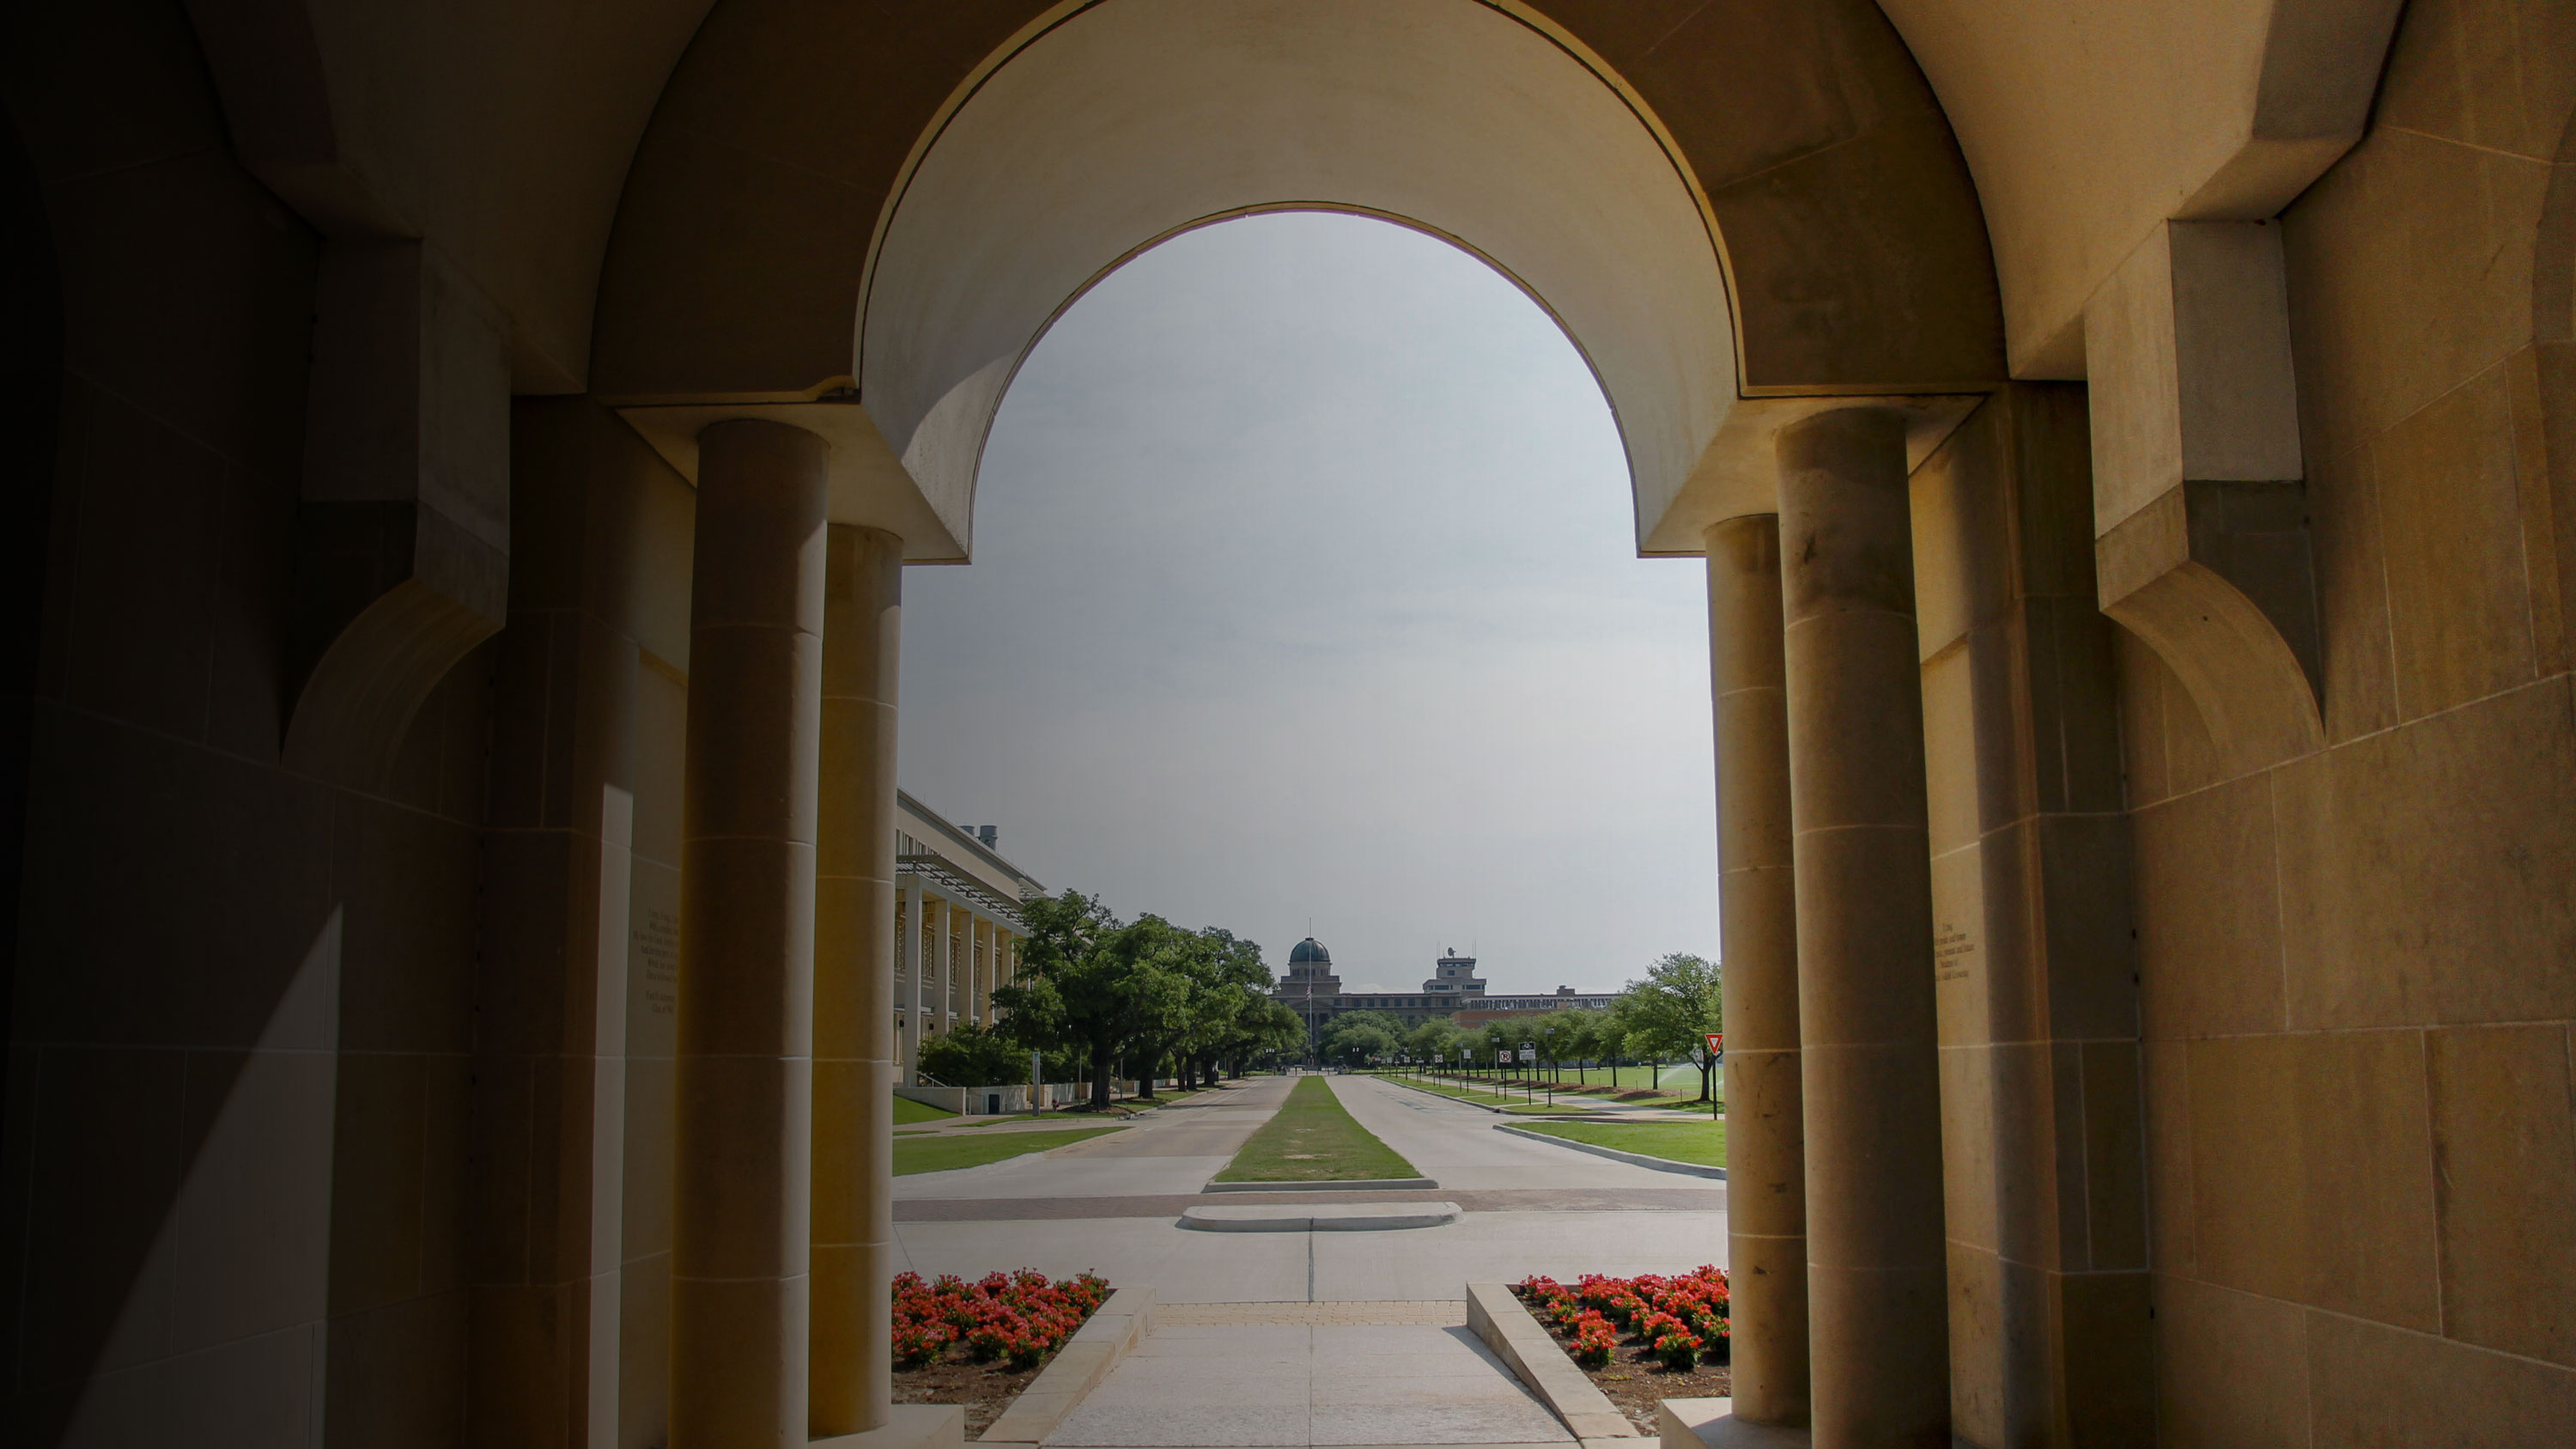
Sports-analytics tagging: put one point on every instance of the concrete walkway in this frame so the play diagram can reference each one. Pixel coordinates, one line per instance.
(1299, 1383)
(1456, 1144)
(1305, 1338)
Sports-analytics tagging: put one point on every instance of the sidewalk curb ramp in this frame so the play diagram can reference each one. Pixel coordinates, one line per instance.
(1077, 1368)
(1660, 1164)
(1497, 1317)
(1360, 1184)
(1354, 1217)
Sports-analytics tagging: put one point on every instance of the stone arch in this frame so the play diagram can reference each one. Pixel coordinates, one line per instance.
(901, 249)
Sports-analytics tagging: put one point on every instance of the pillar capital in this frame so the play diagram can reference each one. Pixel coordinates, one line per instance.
(867, 485)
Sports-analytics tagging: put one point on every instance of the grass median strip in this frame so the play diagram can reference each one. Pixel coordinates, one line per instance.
(1313, 1139)
(1700, 1143)
(946, 1153)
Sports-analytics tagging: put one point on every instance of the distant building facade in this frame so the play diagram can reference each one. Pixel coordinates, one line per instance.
(957, 926)
(1452, 993)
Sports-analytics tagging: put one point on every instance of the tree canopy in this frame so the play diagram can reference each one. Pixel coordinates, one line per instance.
(1140, 993)
(1667, 1015)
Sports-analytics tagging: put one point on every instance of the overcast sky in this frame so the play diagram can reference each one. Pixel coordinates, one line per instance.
(1305, 587)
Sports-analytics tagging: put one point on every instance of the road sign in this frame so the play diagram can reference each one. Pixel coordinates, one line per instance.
(1716, 1042)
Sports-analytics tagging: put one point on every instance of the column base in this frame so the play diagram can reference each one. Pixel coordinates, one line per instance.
(1694, 1423)
(912, 1426)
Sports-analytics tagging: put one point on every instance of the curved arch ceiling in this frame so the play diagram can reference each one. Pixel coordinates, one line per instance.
(1134, 119)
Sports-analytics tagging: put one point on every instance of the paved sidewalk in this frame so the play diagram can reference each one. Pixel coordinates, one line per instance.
(1283, 1340)
(1317, 1382)
(1456, 1145)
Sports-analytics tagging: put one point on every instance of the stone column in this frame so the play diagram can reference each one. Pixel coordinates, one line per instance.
(943, 1004)
(1766, 1219)
(916, 994)
(744, 1089)
(987, 971)
(850, 1383)
(1879, 1324)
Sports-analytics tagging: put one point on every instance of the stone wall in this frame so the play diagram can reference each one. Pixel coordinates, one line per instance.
(2042, 1150)
(2358, 967)
(234, 1168)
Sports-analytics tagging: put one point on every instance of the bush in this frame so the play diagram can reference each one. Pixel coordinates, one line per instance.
(971, 1056)
(1594, 1340)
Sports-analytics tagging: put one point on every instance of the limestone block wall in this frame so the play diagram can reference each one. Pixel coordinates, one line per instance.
(231, 1171)
(2359, 967)
(2042, 1134)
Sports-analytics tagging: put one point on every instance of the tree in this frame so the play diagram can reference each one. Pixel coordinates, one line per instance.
(1356, 1044)
(1088, 983)
(1264, 1030)
(1669, 1013)
(1560, 1035)
(1355, 1036)
(1431, 1039)
(1227, 980)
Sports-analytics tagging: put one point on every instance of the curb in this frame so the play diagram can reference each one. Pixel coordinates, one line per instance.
(1660, 1164)
(1323, 1218)
(1077, 1368)
(1356, 1184)
(1711, 1424)
(1497, 1317)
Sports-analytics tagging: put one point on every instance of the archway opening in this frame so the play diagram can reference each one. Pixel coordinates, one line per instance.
(1304, 583)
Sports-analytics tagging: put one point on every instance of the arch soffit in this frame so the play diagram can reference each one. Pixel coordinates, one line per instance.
(737, 249)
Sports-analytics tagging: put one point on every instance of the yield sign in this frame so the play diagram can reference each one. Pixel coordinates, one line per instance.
(1716, 1042)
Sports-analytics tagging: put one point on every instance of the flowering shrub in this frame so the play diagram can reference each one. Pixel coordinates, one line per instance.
(1019, 1316)
(1594, 1340)
(1677, 1319)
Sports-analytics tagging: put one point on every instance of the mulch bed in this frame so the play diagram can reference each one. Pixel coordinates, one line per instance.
(986, 1389)
(1634, 1381)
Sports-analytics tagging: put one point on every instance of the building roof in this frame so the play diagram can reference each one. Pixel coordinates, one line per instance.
(1310, 950)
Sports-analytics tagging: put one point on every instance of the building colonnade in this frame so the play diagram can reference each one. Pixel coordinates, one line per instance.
(952, 954)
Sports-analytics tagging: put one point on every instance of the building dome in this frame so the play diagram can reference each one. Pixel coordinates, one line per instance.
(1310, 952)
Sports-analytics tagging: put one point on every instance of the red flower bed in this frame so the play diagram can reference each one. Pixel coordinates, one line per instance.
(1015, 1316)
(1678, 1319)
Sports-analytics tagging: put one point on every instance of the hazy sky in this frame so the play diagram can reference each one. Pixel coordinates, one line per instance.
(1305, 587)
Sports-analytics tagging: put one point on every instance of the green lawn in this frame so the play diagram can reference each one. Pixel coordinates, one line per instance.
(1701, 1142)
(908, 1111)
(1313, 1140)
(1452, 1089)
(945, 1153)
(1679, 1100)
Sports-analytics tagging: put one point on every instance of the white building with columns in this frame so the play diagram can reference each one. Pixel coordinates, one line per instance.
(957, 926)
